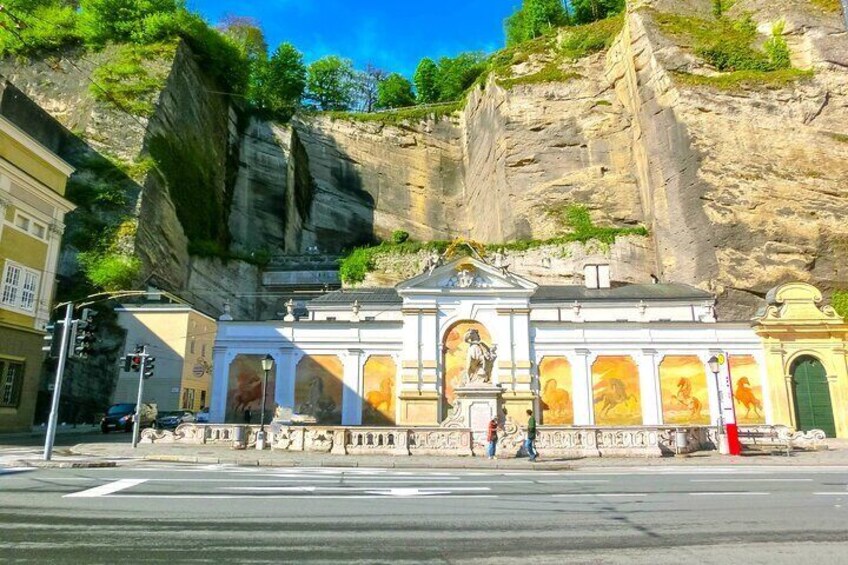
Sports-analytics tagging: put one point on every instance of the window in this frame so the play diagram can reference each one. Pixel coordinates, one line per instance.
(191, 346)
(11, 377)
(20, 287)
(203, 350)
(30, 225)
(188, 399)
(203, 399)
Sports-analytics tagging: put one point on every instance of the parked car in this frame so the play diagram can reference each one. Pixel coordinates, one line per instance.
(120, 417)
(170, 420)
(202, 417)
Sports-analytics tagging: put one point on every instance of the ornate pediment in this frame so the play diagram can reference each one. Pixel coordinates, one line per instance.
(466, 274)
(796, 302)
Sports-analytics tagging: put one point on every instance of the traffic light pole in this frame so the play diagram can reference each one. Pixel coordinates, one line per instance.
(57, 385)
(137, 417)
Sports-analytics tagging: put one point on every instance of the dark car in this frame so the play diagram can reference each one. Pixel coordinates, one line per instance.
(120, 417)
(170, 420)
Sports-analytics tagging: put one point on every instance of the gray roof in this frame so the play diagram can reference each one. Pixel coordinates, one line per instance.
(628, 292)
(550, 294)
(363, 295)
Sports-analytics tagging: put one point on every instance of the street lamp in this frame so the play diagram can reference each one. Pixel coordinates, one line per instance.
(723, 446)
(267, 365)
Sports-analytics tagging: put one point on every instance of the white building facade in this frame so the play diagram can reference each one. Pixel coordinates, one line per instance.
(576, 355)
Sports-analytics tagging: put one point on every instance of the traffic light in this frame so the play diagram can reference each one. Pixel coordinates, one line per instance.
(149, 365)
(53, 340)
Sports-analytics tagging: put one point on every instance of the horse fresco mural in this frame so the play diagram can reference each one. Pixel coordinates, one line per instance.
(747, 390)
(556, 392)
(378, 402)
(318, 388)
(244, 389)
(615, 391)
(683, 386)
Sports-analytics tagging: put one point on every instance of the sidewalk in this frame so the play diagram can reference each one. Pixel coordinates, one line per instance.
(37, 431)
(836, 455)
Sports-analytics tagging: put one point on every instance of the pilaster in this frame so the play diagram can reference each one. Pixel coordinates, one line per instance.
(582, 388)
(649, 387)
(352, 391)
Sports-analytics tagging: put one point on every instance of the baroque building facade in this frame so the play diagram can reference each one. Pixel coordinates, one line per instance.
(32, 212)
(593, 355)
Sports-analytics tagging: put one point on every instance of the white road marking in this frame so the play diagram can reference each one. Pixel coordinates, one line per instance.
(597, 494)
(106, 489)
(342, 488)
(281, 496)
(837, 493)
(11, 470)
(747, 480)
(739, 493)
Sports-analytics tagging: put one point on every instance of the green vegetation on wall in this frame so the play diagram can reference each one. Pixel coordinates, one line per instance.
(131, 79)
(575, 220)
(730, 47)
(839, 301)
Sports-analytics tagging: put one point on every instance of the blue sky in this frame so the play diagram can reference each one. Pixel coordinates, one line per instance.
(394, 35)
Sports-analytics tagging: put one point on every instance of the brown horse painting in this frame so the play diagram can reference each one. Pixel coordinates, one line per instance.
(746, 397)
(612, 393)
(684, 397)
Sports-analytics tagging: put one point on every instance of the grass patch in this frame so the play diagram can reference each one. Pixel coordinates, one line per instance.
(354, 266)
(575, 42)
(726, 44)
(394, 117)
(833, 6)
(839, 301)
(745, 79)
(551, 72)
(129, 80)
(841, 137)
(580, 41)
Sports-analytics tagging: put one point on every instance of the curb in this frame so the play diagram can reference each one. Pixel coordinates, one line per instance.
(69, 464)
(349, 464)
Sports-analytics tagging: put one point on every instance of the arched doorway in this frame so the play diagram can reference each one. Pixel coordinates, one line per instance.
(813, 408)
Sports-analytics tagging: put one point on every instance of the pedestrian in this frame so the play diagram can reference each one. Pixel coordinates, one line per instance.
(492, 437)
(247, 415)
(530, 442)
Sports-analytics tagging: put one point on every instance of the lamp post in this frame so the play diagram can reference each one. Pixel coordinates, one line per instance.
(267, 365)
(723, 446)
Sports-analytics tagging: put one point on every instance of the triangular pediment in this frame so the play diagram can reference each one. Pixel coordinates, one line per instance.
(466, 274)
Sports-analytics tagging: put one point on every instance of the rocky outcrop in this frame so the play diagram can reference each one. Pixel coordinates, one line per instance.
(371, 178)
(743, 189)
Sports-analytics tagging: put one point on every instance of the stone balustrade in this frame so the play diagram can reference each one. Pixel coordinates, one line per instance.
(551, 441)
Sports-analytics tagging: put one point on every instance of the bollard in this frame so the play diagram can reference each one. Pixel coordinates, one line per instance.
(681, 440)
(239, 437)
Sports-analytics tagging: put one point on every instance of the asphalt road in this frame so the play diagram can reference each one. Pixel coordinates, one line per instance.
(155, 513)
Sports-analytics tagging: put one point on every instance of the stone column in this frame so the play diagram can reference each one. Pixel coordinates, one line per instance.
(221, 359)
(352, 392)
(649, 388)
(581, 386)
(712, 391)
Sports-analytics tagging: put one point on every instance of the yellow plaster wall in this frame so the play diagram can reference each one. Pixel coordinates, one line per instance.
(419, 409)
(22, 248)
(15, 152)
(202, 330)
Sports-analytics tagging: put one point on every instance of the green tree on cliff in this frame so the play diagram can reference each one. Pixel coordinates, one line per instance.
(135, 21)
(457, 74)
(330, 83)
(534, 18)
(586, 11)
(247, 35)
(426, 80)
(395, 91)
(278, 84)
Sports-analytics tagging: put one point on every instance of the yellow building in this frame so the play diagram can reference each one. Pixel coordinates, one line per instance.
(181, 340)
(806, 349)
(32, 212)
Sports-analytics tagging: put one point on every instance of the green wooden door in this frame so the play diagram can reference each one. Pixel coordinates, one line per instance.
(813, 409)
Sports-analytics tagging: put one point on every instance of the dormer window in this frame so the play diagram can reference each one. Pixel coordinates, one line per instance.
(596, 276)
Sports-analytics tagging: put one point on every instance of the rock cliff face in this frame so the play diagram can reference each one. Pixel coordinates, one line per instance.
(741, 189)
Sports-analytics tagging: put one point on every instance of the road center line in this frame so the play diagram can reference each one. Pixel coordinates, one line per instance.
(837, 493)
(738, 493)
(598, 494)
(450, 488)
(747, 480)
(108, 488)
